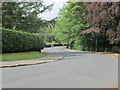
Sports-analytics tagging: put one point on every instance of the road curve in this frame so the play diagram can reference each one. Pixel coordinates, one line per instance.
(76, 70)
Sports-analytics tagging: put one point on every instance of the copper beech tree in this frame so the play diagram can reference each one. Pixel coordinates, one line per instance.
(106, 17)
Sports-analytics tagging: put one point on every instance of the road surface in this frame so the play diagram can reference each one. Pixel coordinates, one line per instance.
(76, 70)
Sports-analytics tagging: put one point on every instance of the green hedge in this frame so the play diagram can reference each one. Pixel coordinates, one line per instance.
(17, 41)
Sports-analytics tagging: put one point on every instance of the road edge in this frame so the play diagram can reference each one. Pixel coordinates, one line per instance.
(102, 53)
(27, 64)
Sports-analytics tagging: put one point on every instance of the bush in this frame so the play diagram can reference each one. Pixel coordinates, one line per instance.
(17, 41)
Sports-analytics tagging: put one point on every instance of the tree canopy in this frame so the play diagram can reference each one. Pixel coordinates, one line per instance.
(71, 20)
(23, 15)
(80, 25)
(106, 17)
(89, 25)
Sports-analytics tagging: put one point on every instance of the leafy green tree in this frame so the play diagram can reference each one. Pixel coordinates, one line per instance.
(46, 31)
(23, 15)
(70, 22)
(10, 14)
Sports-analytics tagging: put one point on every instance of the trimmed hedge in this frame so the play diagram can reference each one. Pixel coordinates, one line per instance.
(17, 41)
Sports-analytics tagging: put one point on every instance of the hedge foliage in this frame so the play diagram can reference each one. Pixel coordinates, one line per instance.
(17, 41)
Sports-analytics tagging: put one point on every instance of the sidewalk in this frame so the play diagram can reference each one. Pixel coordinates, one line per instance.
(49, 58)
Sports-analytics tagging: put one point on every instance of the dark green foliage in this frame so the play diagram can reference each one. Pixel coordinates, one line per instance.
(17, 41)
(24, 15)
(95, 42)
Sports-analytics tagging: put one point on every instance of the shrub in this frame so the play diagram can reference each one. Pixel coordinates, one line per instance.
(17, 41)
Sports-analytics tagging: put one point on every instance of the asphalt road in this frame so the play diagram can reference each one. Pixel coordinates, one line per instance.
(76, 70)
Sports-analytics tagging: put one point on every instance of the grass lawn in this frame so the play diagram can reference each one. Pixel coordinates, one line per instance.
(21, 56)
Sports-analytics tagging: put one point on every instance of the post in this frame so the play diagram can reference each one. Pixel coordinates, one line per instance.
(96, 42)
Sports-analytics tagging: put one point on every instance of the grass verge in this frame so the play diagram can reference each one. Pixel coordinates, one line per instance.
(115, 55)
(21, 56)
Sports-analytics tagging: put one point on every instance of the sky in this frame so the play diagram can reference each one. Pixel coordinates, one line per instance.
(55, 10)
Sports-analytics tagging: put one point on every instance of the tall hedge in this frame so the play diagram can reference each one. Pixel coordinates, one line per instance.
(17, 41)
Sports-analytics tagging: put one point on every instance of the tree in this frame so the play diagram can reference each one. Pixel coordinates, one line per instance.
(70, 22)
(106, 17)
(46, 31)
(23, 15)
(10, 14)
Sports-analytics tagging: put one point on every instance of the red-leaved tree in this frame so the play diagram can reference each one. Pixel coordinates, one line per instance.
(106, 17)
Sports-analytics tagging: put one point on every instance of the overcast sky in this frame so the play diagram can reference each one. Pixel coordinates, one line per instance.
(53, 13)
